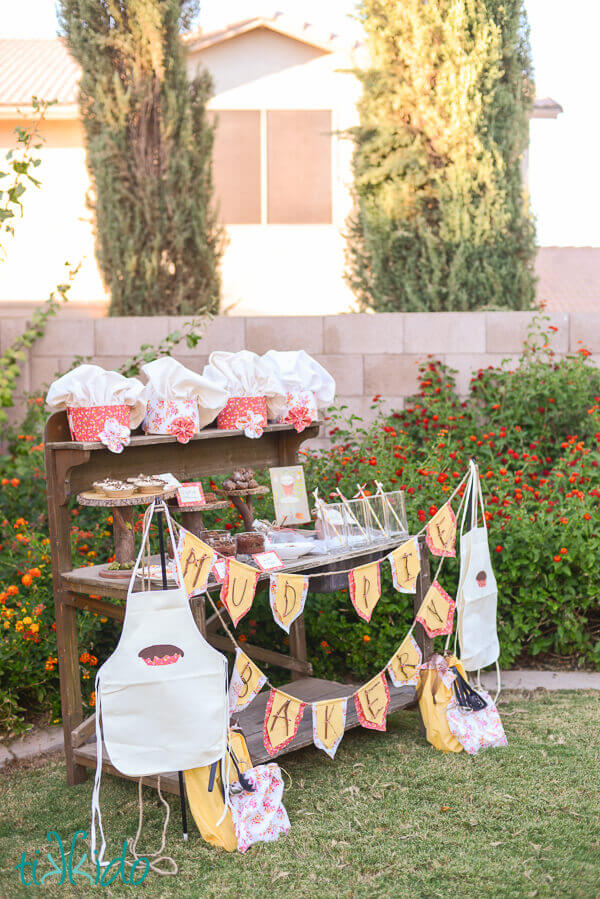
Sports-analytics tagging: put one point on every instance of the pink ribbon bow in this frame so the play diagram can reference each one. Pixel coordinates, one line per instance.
(183, 428)
(299, 416)
(251, 424)
(114, 435)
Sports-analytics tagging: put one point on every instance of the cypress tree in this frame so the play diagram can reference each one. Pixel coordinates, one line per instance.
(149, 151)
(441, 220)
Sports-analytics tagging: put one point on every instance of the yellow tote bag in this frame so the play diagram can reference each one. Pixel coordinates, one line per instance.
(207, 808)
(434, 692)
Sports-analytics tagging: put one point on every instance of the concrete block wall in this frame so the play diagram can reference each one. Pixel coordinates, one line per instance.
(367, 354)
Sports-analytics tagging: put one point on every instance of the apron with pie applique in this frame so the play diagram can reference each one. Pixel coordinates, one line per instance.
(162, 694)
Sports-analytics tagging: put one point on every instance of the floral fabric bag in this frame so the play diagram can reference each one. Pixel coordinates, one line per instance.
(476, 730)
(260, 816)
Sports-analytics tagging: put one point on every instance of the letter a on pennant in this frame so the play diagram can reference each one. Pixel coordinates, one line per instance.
(238, 588)
(365, 589)
(436, 612)
(329, 723)
(287, 593)
(246, 682)
(372, 703)
(196, 559)
(405, 664)
(406, 565)
(282, 720)
(441, 532)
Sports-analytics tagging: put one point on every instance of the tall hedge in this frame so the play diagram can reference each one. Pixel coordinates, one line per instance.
(441, 219)
(149, 151)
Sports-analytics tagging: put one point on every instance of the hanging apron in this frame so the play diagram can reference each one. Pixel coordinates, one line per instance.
(162, 694)
(477, 595)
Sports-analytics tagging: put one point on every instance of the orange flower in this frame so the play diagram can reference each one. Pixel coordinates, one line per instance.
(35, 572)
(15, 482)
(27, 580)
(12, 590)
(563, 551)
(557, 558)
(587, 516)
(366, 638)
(242, 638)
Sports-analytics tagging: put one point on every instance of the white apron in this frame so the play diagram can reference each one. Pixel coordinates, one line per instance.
(162, 694)
(477, 595)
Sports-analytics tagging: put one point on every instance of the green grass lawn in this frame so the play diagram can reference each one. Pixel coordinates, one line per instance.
(390, 816)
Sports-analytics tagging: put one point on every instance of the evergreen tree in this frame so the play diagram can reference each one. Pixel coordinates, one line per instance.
(441, 220)
(149, 151)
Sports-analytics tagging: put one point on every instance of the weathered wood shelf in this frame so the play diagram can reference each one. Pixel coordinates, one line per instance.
(73, 466)
(309, 689)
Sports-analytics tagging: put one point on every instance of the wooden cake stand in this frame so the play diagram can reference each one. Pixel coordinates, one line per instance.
(191, 516)
(122, 515)
(243, 501)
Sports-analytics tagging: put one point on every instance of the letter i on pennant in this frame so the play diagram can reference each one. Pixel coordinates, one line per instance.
(238, 589)
(436, 612)
(405, 562)
(364, 584)
(329, 724)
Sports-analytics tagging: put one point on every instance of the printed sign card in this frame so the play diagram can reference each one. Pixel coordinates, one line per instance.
(268, 561)
(190, 494)
(289, 495)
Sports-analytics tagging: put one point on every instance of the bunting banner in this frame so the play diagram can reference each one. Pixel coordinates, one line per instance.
(238, 588)
(405, 562)
(372, 702)
(404, 666)
(246, 682)
(196, 559)
(364, 584)
(329, 724)
(287, 595)
(436, 612)
(440, 532)
(282, 720)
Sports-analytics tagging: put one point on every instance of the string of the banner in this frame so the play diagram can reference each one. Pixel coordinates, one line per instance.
(268, 683)
(348, 570)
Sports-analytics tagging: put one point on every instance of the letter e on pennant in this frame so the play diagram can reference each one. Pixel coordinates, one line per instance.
(372, 703)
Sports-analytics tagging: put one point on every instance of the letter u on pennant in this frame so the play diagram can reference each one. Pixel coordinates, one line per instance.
(364, 584)
(436, 612)
(238, 588)
(282, 720)
(287, 595)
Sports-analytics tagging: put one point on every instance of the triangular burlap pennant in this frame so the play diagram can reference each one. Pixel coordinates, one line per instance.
(436, 612)
(282, 720)
(440, 532)
(405, 664)
(196, 559)
(364, 584)
(246, 682)
(372, 703)
(238, 588)
(405, 562)
(287, 594)
(329, 723)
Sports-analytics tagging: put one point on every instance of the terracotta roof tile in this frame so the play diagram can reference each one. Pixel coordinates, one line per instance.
(41, 68)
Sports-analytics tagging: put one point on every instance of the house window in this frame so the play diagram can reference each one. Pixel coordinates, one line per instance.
(274, 167)
(236, 166)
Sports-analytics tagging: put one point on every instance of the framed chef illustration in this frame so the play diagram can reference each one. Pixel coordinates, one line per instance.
(289, 495)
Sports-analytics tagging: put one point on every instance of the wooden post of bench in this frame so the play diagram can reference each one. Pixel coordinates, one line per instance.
(423, 584)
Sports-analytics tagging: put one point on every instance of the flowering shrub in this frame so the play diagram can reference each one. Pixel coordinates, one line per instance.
(535, 433)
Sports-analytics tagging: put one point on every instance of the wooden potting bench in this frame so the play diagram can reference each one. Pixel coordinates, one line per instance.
(73, 466)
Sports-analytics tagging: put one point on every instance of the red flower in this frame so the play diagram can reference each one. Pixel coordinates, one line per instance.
(499, 549)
